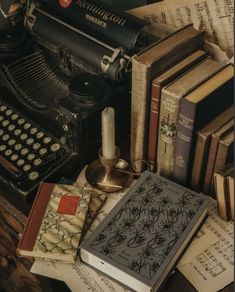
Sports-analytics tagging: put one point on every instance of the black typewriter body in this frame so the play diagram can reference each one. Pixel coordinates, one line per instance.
(55, 80)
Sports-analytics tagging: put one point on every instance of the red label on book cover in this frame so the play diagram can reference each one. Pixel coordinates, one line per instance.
(65, 3)
(68, 205)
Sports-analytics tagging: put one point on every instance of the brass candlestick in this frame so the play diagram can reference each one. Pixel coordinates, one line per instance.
(109, 175)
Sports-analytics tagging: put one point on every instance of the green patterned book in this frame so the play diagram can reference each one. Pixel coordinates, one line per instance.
(55, 222)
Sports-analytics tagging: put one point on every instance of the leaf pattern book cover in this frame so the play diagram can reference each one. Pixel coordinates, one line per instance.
(143, 236)
(55, 222)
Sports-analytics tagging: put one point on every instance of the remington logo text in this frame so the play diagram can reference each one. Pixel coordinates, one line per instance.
(101, 12)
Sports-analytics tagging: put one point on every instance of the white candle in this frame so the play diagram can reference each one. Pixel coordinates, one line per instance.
(108, 133)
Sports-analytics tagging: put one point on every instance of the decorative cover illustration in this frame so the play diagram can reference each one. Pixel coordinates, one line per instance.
(56, 222)
(144, 231)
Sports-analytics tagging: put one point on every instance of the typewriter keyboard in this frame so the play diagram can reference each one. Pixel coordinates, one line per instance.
(28, 154)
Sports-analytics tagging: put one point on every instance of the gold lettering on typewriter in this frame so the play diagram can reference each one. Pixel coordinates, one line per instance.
(101, 13)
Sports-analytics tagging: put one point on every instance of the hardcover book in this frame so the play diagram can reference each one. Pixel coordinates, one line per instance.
(202, 146)
(157, 84)
(55, 222)
(141, 239)
(170, 103)
(222, 195)
(216, 136)
(230, 189)
(225, 154)
(147, 65)
(196, 109)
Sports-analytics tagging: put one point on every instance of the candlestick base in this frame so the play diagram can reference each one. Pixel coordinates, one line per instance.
(109, 175)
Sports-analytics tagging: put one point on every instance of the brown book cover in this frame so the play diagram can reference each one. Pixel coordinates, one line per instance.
(145, 66)
(212, 154)
(170, 103)
(230, 189)
(157, 84)
(55, 222)
(225, 154)
(202, 146)
(222, 196)
(196, 109)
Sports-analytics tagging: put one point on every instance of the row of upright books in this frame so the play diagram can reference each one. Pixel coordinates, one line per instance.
(181, 98)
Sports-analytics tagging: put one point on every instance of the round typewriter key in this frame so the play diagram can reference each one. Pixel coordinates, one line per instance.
(31, 156)
(17, 132)
(8, 152)
(1, 132)
(43, 151)
(23, 136)
(14, 157)
(24, 151)
(37, 162)
(21, 122)
(27, 126)
(3, 147)
(29, 141)
(55, 147)
(14, 117)
(36, 146)
(33, 175)
(47, 140)
(11, 142)
(27, 167)
(5, 137)
(20, 162)
(33, 131)
(11, 127)
(1, 118)
(3, 108)
(18, 146)
(9, 112)
(40, 135)
(5, 123)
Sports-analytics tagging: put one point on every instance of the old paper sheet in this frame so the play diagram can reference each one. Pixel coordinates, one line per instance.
(215, 16)
(213, 269)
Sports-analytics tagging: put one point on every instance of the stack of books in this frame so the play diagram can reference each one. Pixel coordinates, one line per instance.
(178, 89)
(224, 189)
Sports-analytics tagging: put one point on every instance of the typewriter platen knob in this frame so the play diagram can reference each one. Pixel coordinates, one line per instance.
(87, 89)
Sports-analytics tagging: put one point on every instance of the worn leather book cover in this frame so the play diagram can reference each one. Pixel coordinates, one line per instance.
(216, 136)
(196, 109)
(55, 222)
(157, 84)
(170, 103)
(202, 146)
(222, 195)
(145, 66)
(140, 240)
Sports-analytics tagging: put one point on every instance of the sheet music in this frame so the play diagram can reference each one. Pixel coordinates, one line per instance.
(212, 269)
(215, 16)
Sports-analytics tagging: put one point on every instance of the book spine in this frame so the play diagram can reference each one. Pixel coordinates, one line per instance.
(183, 141)
(224, 155)
(230, 189)
(210, 165)
(154, 124)
(35, 217)
(199, 161)
(167, 132)
(140, 89)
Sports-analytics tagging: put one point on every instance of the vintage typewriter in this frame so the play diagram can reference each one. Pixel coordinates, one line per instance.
(61, 63)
